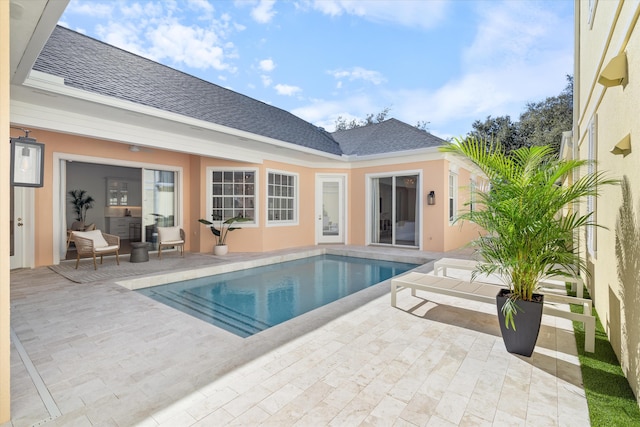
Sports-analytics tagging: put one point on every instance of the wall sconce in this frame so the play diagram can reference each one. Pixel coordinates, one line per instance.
(623, 147)
(27, 161)
(431, 198)
(615, 72)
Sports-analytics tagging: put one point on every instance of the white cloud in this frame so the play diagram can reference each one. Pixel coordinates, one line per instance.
(202, 6)
(164, 32)
(411, 13)
(267, 65)
(266, 80)
(194, 46)
(263, 13)
(324, 113)
(359, 73)
(91, 8)
(287, 90)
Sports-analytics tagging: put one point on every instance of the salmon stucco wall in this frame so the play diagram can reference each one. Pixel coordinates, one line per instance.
(76, 145)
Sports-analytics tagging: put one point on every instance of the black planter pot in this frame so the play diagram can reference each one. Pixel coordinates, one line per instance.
(523, 340)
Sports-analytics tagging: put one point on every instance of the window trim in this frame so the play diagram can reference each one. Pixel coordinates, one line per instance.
(591, 241)
(453, 196)
(296, 202)
(256, 201)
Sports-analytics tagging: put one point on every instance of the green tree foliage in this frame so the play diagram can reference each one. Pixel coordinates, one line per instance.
(343, 124)
(542, 123)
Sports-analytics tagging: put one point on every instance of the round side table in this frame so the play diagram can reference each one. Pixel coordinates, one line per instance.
(139, 252)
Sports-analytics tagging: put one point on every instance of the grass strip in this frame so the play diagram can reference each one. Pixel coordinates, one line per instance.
(609, 395)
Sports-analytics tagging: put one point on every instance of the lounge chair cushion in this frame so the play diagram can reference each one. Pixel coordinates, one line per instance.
(169, 235)
(96, 236)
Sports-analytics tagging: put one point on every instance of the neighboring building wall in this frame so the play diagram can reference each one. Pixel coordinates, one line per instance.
(5, 306)
(607, 115)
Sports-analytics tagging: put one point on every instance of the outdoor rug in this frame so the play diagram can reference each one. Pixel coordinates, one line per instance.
(111, 271)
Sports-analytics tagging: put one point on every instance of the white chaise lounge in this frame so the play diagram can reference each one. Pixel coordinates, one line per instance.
(485, 292)
(554, 282)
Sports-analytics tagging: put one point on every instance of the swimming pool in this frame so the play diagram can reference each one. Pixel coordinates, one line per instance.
(249, 301)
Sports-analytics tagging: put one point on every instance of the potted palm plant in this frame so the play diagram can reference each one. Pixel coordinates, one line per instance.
(81, 203)
(528, 234)
(222, 230)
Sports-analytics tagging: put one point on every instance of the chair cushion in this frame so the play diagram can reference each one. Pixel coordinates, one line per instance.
(172, 242)
(106, 249)
(95, 235)
(169, 234)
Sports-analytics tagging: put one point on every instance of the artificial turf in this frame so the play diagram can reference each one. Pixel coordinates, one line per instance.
(609, 395)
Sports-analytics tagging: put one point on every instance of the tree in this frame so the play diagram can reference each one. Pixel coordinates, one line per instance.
(500, 130)
(542, 123)
(343, 124)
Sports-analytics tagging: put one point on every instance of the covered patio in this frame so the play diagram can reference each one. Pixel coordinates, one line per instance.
(104, 355)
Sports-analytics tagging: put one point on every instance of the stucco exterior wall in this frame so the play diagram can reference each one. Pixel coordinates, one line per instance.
(56, 143)
(436, 234)
(614, 267)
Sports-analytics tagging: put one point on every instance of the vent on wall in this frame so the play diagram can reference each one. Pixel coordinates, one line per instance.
(615, 72)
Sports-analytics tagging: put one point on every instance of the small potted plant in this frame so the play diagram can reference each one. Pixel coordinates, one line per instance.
(220, 232)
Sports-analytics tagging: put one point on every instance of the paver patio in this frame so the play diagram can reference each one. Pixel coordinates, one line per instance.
(110, 356)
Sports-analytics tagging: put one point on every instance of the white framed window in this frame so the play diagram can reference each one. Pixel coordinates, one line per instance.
(232, 192)
(453, 196)
(591, 200)
(282, 198)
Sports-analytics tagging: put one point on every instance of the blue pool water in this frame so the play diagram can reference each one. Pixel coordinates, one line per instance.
(249, 301)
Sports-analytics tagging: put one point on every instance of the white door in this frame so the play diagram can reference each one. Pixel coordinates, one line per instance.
(17, 230)
(330, 209)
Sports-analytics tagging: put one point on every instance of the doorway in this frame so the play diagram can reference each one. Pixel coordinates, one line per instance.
(130, 199)
(330, 209)
(21, 227)
(395, 209)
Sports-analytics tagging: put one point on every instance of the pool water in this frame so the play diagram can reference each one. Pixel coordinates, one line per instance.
(249, 301)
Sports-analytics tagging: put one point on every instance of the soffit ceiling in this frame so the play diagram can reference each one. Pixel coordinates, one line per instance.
(32, 22)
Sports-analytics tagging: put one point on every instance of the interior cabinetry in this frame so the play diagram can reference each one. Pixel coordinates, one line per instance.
(117, 192)
(126, 227)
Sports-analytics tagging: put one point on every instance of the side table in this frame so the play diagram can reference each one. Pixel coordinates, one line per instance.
(139, 252)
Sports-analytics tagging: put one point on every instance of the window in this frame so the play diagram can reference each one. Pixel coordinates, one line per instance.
(453, 196)
(282, 198)
(591, 200)
(472, 195)
(233, 193)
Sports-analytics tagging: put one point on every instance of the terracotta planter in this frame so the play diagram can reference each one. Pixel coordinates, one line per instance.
(220, 249)
(523, 340)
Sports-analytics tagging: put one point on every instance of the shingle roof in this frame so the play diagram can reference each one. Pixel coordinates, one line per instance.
(386, 137)
(91, 65)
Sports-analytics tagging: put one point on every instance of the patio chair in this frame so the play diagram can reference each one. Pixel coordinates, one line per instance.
(95, 243)
(170, 236)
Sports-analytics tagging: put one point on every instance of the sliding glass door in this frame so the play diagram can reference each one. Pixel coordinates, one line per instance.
(159, 202)
(395, 210)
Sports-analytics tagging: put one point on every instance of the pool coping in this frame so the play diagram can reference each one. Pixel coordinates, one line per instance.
(196, 273)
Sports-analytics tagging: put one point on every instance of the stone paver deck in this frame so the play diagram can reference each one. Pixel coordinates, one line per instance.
(110, 356)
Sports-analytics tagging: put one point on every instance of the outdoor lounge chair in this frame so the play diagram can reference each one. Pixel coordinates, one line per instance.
(170, 236)
(95, 243)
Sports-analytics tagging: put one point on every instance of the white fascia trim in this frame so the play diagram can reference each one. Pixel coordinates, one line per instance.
(37, 116)
(40, 81)
(394, 154)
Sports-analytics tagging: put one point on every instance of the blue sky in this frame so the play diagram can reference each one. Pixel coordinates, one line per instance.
(444, 62)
